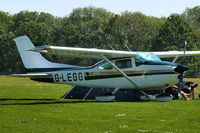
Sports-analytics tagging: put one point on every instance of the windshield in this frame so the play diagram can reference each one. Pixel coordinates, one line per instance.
(145, 58)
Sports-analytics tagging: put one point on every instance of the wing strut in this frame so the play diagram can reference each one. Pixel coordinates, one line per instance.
(175, 59)
(119, 70)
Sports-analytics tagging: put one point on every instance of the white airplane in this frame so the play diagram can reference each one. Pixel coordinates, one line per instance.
(117, 70)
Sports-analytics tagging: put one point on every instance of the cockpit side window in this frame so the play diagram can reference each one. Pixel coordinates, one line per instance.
(105, 66)
(138, 63)
(123, 63)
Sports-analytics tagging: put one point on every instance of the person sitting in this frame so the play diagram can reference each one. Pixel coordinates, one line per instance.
(173, 90)
(188, 90)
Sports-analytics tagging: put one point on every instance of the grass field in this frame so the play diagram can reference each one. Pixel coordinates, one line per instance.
(32, 107)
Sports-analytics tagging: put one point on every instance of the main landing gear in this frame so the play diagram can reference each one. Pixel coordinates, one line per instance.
(158, 97)
(108, 97)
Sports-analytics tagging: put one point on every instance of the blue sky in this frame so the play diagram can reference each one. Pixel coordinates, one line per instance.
(63, 8)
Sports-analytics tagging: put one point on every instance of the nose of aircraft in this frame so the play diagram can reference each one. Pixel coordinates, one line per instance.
(181, 68)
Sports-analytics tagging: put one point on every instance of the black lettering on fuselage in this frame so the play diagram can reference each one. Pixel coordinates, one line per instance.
(69, 76)
(63, 79)
(56, 77)
(80, 76)
(75, 78)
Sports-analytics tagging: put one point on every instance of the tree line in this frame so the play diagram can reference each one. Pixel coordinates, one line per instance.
(92, 27)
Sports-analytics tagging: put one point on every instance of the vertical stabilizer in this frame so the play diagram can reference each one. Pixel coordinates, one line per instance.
(34, 60)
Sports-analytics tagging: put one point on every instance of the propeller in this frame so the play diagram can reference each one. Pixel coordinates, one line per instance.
(180, 83)
(181, 69)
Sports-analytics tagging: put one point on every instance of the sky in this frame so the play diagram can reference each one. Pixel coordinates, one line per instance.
(61, 8)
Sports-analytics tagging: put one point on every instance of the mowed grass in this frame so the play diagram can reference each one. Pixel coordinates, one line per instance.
(33, 107)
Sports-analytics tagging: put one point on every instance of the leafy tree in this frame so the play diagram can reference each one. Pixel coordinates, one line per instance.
(133, 29)
(10, 61)
(173, 34)
(192, 15)
(23, 17)
(38, 26)
(84, 28)
(5, 22)
(8, 51)
(39, 33)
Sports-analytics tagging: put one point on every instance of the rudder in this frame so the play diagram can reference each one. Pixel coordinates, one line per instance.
(33, 60)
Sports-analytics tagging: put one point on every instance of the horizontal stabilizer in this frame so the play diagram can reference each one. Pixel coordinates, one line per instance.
(33, 75)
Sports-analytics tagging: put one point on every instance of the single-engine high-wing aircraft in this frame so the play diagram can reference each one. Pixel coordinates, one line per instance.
(117, 70)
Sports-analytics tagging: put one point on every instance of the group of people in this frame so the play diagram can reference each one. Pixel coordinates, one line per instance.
(186, 90)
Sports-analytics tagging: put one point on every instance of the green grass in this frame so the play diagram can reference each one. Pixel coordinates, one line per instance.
(32, 107)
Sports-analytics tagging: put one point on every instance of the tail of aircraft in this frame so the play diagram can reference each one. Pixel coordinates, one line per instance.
(34, 60)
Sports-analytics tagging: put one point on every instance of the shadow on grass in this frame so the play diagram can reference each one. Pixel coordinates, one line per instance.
(27, 101)
(32, 101)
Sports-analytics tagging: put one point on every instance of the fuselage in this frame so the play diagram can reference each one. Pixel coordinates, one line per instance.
(102, 75)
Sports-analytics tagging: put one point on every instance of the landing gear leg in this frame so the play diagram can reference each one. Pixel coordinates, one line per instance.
(160, 98)
(107, 97)
(147, 97)
(115, 90)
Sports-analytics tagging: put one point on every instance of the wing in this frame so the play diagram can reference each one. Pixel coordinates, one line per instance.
(96, 53)
(83, 52)
(166, 54)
